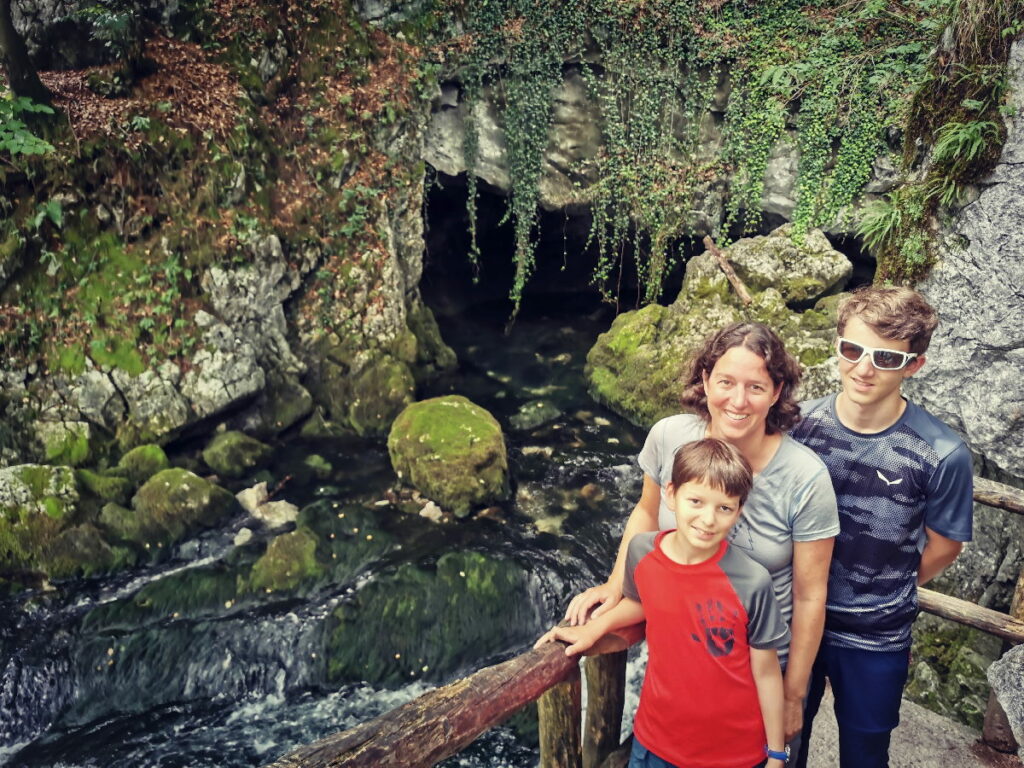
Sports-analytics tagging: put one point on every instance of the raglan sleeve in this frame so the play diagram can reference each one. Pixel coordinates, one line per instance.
(766, 627)
(949, 508)
(652, 456)
(639, 546)
(816, 513)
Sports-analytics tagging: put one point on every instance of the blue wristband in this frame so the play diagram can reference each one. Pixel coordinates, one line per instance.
(777, 755)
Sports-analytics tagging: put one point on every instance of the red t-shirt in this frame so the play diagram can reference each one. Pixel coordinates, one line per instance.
(699, 705)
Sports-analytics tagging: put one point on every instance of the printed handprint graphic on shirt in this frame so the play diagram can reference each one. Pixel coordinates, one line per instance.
(718, 627)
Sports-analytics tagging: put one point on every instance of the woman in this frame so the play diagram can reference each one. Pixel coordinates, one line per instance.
(741, 386)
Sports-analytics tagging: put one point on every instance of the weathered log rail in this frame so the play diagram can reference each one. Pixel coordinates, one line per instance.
(442, 722)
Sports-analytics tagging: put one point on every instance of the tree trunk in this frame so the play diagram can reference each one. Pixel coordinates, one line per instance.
(20, 73)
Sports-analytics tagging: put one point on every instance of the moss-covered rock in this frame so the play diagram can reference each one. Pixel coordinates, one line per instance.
(235, 454)
(948, 669)
(65, 442)
(105, 487)
(452, 450)
(800, 272)
(427, 622)
(432, 354)
(81, 550)
(636, 367)
(285, 403)
(363, 390)
(142, 462)
(290, 559)
(36, 504)
(175, 503)
(318, 466)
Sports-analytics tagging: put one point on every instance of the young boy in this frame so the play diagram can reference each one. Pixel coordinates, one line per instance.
(712, 694)
(903, 481)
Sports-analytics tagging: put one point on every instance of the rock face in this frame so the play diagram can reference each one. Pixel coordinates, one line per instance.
(1005, 676)
(636, 367)
(976, 286)
(452, 451)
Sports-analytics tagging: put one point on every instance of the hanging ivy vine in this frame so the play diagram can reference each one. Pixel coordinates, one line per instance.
(838, 80)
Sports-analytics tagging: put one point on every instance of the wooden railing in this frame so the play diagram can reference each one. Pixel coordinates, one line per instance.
(442, 722)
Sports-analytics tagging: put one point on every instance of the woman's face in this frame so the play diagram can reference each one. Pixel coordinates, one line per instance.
(739, 393)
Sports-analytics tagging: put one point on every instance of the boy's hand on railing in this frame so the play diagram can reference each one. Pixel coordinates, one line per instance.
(580, 639)
(604, 596)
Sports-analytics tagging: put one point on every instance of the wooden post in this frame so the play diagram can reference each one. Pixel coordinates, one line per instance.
(558, 716)
(996, 731)
(606, 696)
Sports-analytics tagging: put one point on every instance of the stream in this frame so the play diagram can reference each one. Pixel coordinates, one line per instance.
(191, 662)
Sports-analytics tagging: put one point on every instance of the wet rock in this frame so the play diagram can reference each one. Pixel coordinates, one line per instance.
(235, 454)
(452, 450)
(175, 503)
(432, 512)
(80, 550)
(534, 414)
(290, 560)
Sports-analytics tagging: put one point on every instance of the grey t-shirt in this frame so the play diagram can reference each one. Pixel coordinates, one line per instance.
(791, 500)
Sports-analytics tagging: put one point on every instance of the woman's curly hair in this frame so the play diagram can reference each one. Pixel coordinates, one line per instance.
(762, 341)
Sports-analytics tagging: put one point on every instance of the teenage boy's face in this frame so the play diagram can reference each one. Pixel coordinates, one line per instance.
(865, 385)
(704, 514)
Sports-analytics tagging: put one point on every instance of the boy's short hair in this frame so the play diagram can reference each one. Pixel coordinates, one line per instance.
(895, 312)
(716, 463)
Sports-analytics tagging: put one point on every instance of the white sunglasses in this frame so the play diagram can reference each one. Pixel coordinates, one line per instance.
(882, 359)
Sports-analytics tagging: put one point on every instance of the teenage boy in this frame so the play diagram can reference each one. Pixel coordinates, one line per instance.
(903, 481)
(712, 694)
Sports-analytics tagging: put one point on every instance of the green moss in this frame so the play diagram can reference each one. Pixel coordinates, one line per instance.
(452, 450)
(175, 503)
(79, 550)
(142, 462)
(289, 561)
(105, 487)
(235, 454)
(67, 359)
(119, 352)
(65, 443)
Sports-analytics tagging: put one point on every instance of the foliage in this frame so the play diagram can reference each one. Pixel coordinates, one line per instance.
(16, 138)
(839, 80)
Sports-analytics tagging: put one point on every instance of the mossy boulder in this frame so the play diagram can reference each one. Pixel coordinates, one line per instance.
(65, 442)
(452, 450)
(175, 503)
(106, 487)
(36, 503)
(142, 462)
(81, 549)
(363, 390)
(235, 454)
(428, 622)
(290, 560)
(285, 403)
(636, 368)
(433, 356)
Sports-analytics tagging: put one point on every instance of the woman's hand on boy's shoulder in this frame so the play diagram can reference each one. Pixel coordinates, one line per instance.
(579, 639)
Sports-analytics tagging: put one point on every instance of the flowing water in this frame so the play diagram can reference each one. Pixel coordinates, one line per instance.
(187, 663)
